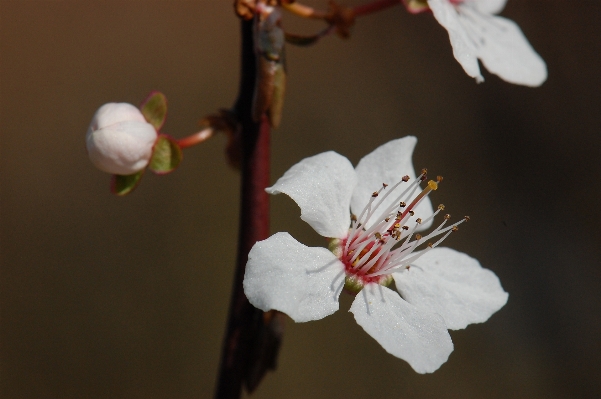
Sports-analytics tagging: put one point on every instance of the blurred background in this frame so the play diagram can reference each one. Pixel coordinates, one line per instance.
(107, 297)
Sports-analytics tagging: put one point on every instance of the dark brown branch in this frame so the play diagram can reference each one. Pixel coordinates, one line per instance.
(252, 337)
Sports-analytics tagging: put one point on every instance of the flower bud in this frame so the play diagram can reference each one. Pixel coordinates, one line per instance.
(119, 140)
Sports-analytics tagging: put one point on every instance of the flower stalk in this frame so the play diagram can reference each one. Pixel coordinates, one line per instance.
(196, 138)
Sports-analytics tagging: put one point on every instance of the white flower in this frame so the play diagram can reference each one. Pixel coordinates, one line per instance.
(476, 33)
(119, 140)
(439, 288)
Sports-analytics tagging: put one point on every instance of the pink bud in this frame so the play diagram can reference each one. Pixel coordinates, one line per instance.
(119, 140)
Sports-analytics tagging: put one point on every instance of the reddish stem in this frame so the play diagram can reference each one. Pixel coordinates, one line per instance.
(249, 347)
(375, 6)
(195, 138)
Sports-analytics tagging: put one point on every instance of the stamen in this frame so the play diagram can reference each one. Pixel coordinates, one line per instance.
(355, 227)
(369, 252)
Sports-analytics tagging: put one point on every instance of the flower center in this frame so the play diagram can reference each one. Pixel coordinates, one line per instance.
(377, 246)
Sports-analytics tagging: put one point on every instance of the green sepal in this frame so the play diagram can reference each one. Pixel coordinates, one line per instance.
(352, 284)
(122, 185)
(154, 109)
(166, 155)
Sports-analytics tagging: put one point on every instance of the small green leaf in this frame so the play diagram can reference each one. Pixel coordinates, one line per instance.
(122, 185)
(166, 155)
(154, 109)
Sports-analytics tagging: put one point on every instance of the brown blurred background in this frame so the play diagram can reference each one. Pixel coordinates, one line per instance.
(105, 297)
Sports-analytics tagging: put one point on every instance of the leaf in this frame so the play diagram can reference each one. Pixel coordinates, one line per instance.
(154, 109)
(122, 185)
(166, 155)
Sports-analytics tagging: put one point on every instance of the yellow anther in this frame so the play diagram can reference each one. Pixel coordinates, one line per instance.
(432, 185)
(441, 207)
(467, 218)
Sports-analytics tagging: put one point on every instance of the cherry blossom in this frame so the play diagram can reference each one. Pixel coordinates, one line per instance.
(438, 288)
(119, 139)
(476, 33)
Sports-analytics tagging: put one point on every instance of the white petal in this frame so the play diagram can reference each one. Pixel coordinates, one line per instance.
(420, 338)
(488, 6)
(452, 284)
(322, 186)
(464, 48)
(387, 164)
(503, 48)
(288, 276)
(112, 113)
(122, 148)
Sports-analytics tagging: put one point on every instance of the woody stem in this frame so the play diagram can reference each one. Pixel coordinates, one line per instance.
(250, 345)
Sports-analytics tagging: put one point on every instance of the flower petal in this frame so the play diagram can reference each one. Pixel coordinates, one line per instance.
(498, 42)
(387, 164)
(464, 48)
(503, 48)
(488, 6)
(112, 113)
(452, 284)
(322, 186)
(122, 148)
(420, 338)
(301, 281)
